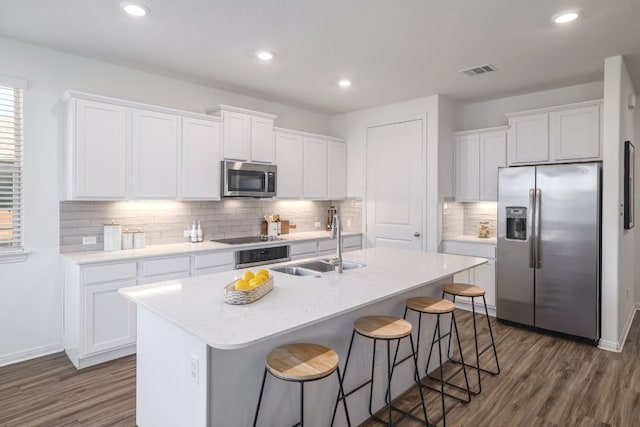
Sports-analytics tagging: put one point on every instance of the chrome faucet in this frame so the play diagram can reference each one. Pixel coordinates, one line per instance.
(336, 233)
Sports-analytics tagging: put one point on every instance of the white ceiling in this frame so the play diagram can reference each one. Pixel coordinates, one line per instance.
(393, 50)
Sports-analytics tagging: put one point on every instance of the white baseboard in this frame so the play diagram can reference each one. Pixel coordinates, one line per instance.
(618, 346)
(21, 356)
(466, 305)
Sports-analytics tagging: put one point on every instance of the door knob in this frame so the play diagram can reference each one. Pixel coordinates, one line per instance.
(416, 234)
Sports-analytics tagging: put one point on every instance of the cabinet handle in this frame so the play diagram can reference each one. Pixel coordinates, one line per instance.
(416, 234)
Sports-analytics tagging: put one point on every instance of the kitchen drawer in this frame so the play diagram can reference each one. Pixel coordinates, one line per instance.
(211, 270)
(303, 248)
(326, 245)
(469, 249)
(351, 242)
(166, 265)
(167, 276)
(215, 259)
(110, 272)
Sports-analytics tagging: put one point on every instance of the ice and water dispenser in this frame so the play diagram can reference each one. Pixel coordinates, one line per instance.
(516, 223)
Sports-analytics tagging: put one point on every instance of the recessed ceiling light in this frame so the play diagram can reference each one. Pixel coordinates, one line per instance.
(134, 9)
(265, 55)
(566, 16)
(344, 83)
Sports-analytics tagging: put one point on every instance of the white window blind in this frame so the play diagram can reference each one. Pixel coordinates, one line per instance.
(10, 170)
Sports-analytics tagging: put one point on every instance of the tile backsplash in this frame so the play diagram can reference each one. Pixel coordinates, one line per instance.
(463, 218)
(165, 221)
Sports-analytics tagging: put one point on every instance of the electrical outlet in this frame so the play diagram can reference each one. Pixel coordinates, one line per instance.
(317, 224)
(195, 367)
(348, 223)
(89, 240)
(186, 233)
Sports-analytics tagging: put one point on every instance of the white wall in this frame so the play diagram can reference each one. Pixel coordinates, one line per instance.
(353, 127)
(491, 113)
(618, 245)
(30, 292)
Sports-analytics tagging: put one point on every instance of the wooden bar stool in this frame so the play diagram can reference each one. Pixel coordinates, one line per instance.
(302, 363)
(438, 307)
(384, 328)
(473, 292)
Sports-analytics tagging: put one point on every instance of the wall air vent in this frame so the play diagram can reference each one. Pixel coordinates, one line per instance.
(478, 69)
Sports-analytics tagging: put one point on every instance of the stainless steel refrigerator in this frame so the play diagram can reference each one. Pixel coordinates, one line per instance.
(548, 266)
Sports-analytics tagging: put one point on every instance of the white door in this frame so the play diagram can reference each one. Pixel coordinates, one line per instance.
(289, 158)
(261, 140)
(394, 190)
(337, 170)
(315, 169)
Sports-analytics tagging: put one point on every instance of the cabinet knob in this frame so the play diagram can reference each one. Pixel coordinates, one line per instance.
(416, 234)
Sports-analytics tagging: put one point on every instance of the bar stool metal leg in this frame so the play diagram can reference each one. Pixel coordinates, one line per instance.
(264, 378)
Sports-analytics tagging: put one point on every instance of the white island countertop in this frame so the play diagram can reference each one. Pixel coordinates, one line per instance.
(197, 305)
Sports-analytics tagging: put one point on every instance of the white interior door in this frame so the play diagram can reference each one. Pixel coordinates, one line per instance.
(394, 195)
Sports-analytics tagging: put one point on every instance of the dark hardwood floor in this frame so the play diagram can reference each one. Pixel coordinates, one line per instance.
(545, 381)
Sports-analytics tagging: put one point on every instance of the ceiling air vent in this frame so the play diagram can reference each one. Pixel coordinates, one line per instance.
(478, 69)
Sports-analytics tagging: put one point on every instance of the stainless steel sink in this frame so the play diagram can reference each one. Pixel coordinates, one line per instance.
(311, 268)
(295, 270)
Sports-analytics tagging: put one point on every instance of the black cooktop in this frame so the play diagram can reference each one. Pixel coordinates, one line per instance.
(249, 239)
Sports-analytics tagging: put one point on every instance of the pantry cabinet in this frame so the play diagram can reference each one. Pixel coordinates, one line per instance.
(479, 154)
(247, 135)
(565, 133)
(200, 166)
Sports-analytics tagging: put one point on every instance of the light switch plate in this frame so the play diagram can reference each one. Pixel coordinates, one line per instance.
(317, 224)
(89, 240)
(195, 367)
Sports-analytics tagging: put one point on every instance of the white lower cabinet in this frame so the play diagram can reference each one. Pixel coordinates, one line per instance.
(483, 275)
(100, 324)
(110, 320)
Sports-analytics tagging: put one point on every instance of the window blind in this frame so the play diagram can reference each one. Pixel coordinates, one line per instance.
(11, 232)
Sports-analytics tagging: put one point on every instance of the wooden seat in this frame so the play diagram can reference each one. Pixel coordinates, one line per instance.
(463, 290)
(302, 362)
(430, 305)
(382, 327)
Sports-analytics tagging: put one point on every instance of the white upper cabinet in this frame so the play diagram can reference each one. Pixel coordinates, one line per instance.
(310, 166)
(97, 146)
(247, 135)
(529, 139)
(290, 163)
(575, 133)
(315, 168)
(237, 135)
(200, 178)
(559, 134)
(261, 140)
(467, 167)
(337, 167)
(493, 155)
(479, 154)
(118, 149)
(154, 155)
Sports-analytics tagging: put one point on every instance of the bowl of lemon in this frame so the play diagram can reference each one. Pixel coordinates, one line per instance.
(248, 288)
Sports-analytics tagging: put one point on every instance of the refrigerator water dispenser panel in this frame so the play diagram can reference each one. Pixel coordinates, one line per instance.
(516, 223)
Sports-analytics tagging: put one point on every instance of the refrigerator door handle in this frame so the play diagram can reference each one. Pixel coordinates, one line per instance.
(537, 226)
(530, 220)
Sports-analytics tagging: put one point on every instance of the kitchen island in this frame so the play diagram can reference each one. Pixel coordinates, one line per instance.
(200, 360)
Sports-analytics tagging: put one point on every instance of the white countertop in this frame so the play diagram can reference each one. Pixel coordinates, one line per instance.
(197, 304)
(189, 248)
(473, 239)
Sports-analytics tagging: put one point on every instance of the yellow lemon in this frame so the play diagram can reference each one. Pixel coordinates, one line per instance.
(248, 275)
(242, 285)
(265, 276)
(254, 283)
(262, 271)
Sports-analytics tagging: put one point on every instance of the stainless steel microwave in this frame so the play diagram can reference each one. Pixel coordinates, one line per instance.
(243, 179)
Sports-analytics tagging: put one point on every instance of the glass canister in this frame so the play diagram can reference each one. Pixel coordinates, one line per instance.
(484, 232)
